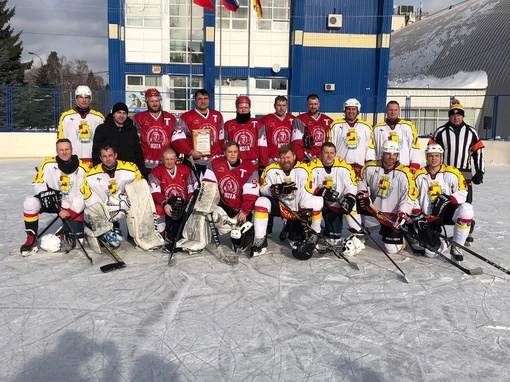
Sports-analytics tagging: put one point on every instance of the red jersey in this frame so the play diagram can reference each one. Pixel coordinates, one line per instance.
(238, 186)
(278, 131)
(155, 135)
(251, 139)
(316, 127)
(164, 185)
(182, 137)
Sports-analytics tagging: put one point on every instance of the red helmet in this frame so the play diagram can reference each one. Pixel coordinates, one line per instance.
(243, 99)
(152, 93)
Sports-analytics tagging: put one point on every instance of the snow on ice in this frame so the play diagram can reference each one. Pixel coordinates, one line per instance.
(271, 318)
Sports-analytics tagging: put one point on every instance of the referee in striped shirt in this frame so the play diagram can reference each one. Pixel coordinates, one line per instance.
(462, 147)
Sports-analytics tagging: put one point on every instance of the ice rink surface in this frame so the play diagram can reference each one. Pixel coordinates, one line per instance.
(271, 318)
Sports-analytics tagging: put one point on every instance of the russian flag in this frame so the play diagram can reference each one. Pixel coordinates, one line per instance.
(209, 4)
(231, 5)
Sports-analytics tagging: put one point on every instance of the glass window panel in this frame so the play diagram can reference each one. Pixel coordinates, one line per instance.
(151, 22)
(279, 84)
(134, 80)
(264, 25)
(238, 82)
(281, 13)
(239, 24)
(262, 84)
(134, 21)
(280, 26)
(153, 81)
(177, 57)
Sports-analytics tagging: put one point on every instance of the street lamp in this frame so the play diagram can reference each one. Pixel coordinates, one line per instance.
(40, 59)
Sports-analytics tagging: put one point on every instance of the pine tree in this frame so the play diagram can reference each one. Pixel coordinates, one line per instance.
(11, 69)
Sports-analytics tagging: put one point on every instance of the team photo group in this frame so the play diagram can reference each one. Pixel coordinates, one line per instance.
(176, 185)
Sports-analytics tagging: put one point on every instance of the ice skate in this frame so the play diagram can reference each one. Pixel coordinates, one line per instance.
(30, 246)
(259, 246)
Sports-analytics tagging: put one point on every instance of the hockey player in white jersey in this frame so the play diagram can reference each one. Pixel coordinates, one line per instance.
(389, 186)
(57, 190)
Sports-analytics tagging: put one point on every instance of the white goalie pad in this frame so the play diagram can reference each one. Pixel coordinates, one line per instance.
(92, 240)
(117, 206)
(141, 218)
(208, 198)
(98, 219)
(222, 221)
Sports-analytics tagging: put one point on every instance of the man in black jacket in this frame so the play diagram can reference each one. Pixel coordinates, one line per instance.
(119, 132)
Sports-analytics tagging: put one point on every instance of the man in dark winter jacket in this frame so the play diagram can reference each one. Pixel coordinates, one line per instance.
(119, 132)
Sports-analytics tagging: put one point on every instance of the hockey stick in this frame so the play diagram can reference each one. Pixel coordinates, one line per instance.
(367, 232)
(109, 267)
(470, 251)
(71, 229)
(296, 216)
(48, 226)
(405, 231)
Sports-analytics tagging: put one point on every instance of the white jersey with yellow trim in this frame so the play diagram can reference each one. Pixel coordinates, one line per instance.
(354, 141)
(404, 132)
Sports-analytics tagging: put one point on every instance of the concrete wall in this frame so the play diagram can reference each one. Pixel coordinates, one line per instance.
(42, 145)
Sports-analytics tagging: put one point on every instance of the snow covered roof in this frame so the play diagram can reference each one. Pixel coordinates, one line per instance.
(471, 37)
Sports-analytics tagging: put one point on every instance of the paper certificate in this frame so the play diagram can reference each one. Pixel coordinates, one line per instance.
(202, 141)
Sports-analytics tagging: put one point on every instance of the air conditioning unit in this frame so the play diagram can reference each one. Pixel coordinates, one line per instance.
(334, 21)
(329, 87)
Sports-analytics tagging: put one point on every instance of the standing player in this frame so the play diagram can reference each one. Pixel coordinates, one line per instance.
(390, 186)
(278, 128)
(333, 179)
(79, 124)
(248, 133)
(172, 185)
(310, 130)
(442, 193)
(353, 137)
(401, 131)
(197, 123)
(463, 149)
(155, 128)
(57, 190)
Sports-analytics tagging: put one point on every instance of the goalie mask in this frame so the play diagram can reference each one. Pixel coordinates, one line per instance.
(242, 235)
(178, 206)
(50, 243)
(352, 246)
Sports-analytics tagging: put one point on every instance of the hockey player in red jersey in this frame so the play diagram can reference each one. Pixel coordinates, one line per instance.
(248, 133)
(237, 181)
(310, 130)
(196, 124)
(278, 127)
(155, 128)
(171, 185)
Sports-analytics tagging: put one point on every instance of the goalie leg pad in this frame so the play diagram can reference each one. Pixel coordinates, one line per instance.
(208, 198)
(98, 219)
(92, 240)
(142, 218)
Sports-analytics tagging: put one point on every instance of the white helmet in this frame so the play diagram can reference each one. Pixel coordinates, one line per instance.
(352, 246)
(391, 147)
(50, 243)
(352, 102)
(83, 91)
(434, 148)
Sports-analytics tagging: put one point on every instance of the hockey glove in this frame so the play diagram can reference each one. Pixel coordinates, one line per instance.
(283, 189)
(402, 219)
(478, 177)
(440, 205)
(347, 204)
(420, 222)
(308, 141)
(50, 200)
(328, 194)
(363, 198)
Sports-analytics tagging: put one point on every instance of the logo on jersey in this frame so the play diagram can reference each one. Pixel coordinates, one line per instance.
(229, 187)
(394, 137)
(385, 187)
(64, 183)
(328, 182)
(113, 186)
(84, 131)
(351, 139)
(281, 136)
(435, 190)
(245, 139)
(174, 190)
(319, 136)
(157, 138)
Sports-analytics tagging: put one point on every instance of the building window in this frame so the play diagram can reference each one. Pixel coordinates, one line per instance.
(233, 20)
(186, 32)
(232, 82)
(181, 94)
(152, 81)
(143, 13)
(276, 16)
(135, 80)
(273, 83)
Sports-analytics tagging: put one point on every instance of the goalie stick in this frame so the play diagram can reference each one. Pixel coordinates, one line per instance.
(407, 234)
(113, 266)
(71, 229)
(335, 251)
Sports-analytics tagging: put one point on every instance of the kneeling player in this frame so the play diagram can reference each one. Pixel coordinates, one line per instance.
(57, 187)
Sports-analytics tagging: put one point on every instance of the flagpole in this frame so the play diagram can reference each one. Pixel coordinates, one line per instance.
(219, 71)
(190, 56)
(249, 48)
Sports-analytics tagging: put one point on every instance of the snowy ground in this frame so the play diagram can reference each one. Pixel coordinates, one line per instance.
(272, 318)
